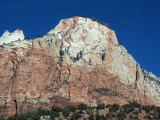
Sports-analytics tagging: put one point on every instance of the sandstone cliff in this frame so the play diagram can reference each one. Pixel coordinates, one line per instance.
(80, 60)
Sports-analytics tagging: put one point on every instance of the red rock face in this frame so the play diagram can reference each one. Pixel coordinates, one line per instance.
(79, 61)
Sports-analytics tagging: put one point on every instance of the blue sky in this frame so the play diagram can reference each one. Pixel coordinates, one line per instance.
(136, 22)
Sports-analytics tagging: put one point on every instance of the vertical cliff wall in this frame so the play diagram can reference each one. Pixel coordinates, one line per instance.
(80, 60)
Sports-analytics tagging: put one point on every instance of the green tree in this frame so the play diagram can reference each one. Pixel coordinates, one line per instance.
(99, 117)
(91, 117)
(75, 116)
(71, 108)
(114, 108)
(131, 117)
(82, 107)
(66, 112)
(101, 106)
(57, 109)
(108, 115)
(121, 115)
(136, 118)
(146, 108)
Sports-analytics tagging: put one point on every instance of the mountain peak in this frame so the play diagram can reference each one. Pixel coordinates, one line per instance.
(79, 60)
(79, 20)
(8, 37)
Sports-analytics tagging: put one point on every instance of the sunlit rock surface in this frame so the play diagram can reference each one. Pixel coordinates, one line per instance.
(8, 37)
(80, 61)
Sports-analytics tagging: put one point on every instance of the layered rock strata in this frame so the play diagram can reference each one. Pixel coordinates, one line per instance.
(79, 61)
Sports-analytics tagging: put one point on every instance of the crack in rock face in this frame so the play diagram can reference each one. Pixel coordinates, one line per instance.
(80, 60)
(84, 40)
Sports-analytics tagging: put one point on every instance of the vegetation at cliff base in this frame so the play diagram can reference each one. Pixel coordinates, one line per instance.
(130, 111)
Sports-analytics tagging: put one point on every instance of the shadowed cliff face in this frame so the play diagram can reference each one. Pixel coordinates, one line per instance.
(79, 61)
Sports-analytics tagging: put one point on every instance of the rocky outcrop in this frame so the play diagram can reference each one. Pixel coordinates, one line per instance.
(152, 84)
(8, 37)
(78, 61)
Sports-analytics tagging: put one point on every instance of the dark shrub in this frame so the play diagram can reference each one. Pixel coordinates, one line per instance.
(128, 108)
(52, 114)
(57, 109)
(135, 112)
(114, 108)
(99, 117)
(136, 118)
(75, 116)
(101, 106)
(148, 117)
(2, 119)
(71, 108)
(81, 111)
(140, 110)
(131, 117)
(113, 115)
(44, 112)
(136, 105)
(155, 117)
(91, 117)
(121, 115)
(153, 107)
(146, 108)
(82, 107)
(108, 115)
(66, 112)
(110, 110)
(35, 116)
(108, 105)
